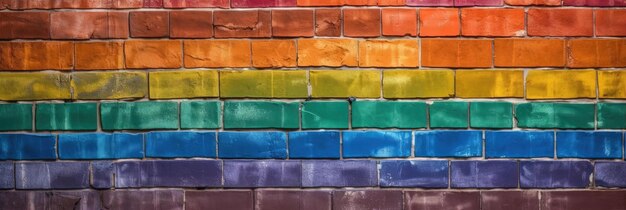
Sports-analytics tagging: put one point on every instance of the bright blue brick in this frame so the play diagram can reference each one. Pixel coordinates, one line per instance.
(610, 174)
(314, 144)
(484, 174)
(357, 144)
(555, 174)
(252, 145)
(180, 144)
(582, 144)
(414, 173)
(27, 147)
(7, 172)
(100, 146)
(448, 143)
(519, 144)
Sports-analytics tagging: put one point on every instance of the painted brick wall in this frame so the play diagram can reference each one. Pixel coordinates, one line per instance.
(312, 104)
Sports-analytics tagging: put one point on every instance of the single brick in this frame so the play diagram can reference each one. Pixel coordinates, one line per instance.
(292, 23)
(327, 52)
(191, 24)
(612, 84)
(268, 173)
(388, 114)
(555, 115)
(484, 174)
(99, 55)
(16, 117)
(533, 2)
(431, 200)
(152, 3)
(583, 199)
(217, 53)
(139, 115)
(611, 115)
(88, 146)
(560, 84)
(529, 53)
(89, 25)
(195, 3)
(66, 116)
(376, 144)
(589, 145)
(51, 175)
(261, 114)
(375, 53)
(448, 114)
(465, 3)
(610, 174)
(555, 174)
(519, 144)
(493, 83)
(78, 199)
(142, 54)
(143, 199)
(414, 173)
(314, 144)
(511, 200)
(418, 83)
(102, 174)
(560, 22)
(493, 22)
(320, 2)
(184, 84)
(399, 22)
(439, 22)
(263, 84)
(274, 53)
(361, 22)
(27, 147)
(109, 85)
(36, 55)
(344, 83)
(448, 143)
(262, 3)
(339, 173)
(491, 115)
(7, 175)
(34, 86)
(456, 53)
(252, 145)
(328, 22)
(219, 199)
(594, 3)
(181, 144)
(25, 25)
(242, 24)
(151, 24)
(594, 53)
(610, 22)
(430, 2)
(325, 115)
(367, 199)
(168, 173)
(200, 114)
(293, 199)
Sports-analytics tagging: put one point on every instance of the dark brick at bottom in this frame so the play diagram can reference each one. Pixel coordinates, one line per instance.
(293, 199)
(367, 199)
(218, 199)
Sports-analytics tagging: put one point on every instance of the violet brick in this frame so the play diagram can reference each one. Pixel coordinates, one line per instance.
(314, 144)
(594, 3)
(143, 199)
(510, 200)
(339, 173)
(219, 199)
(435, 200)
(271, 173)
(173, 173)
(293, 199)
(580, 144)
(7, 175)
(610, 174)
(380, 144)
(52, 175)
(102, 174)
(27, 147)
(252, 145)
(367, 199)
(555, 174)
(414, 173)
(484, 174)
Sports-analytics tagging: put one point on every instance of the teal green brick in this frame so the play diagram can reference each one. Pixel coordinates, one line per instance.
(16, 117)
(388, 114)
(325, 115)
(611, 115)
(448, 114)
(555, 115)
(139, 115)
(200, 114)
(491, 115)
(261, 114)
(67, 116)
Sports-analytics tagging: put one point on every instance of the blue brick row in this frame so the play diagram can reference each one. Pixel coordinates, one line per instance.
(314, 144)
(312, 173)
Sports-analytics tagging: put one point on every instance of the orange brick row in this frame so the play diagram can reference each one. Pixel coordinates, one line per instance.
(425, 22)
(279, 53)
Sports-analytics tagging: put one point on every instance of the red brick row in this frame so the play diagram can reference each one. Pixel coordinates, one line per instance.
(439, 22)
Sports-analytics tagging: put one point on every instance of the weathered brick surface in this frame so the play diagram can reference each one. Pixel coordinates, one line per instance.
(274, 53)
(439, 22)
(399, 22)
(89, 25)
(109, 85)
(456, 53)
(36, 55)
(153, 54)
(25, 25)
(191, 24)
(586, 53)
(560, 22)
(217, 53)
(328, 22)
(241, 24)
(361, 22)
(493, 22)
(374, 53)
(292, 23)
(99, 55)
(149, 24)
(327, 52)
(529, 53)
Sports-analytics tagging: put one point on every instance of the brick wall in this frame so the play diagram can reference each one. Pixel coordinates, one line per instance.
(312, 104)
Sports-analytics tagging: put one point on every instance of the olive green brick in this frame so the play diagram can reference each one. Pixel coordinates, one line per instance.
(261, 114)
(611, 115)
(388, 114)
(139, 115)
(491, 115)
(200, 114)
(555, 115)
(66, 116)
(325, 115)
(448, 114)
(109, 85)
(16, 117)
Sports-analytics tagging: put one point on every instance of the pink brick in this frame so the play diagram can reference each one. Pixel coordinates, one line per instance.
(152, 3)
(195, 3)
(263, 3)
(430, 2)
(594, 3)
(463, 3)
